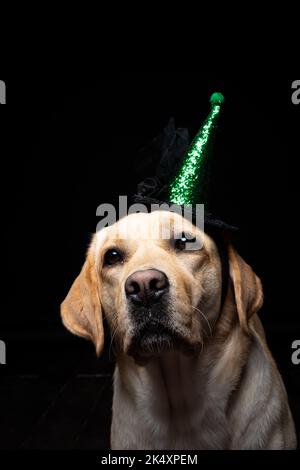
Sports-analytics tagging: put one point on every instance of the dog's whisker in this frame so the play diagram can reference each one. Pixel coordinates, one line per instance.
(205, 318)
(115, 331)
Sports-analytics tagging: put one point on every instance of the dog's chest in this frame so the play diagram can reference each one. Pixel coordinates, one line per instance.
(167, 409)
(181, 417)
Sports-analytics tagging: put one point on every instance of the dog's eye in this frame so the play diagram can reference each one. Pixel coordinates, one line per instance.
(112, 257)
(180, 243)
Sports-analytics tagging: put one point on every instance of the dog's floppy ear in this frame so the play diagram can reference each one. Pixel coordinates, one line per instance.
(247, 288)
(81, 310)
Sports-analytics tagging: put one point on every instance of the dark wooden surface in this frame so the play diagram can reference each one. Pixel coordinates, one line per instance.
(55, 393)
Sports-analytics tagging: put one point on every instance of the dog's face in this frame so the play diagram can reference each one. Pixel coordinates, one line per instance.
(153, 289)
(156, 290)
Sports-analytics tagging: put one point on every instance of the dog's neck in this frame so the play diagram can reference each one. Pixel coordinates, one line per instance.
(171, 377)
(169, 382)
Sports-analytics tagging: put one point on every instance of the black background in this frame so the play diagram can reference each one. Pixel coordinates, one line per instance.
(68, 146)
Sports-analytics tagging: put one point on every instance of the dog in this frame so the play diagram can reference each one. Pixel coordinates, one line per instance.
(192, 372)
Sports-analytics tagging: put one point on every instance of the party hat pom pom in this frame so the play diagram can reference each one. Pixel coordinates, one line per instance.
(217, 99)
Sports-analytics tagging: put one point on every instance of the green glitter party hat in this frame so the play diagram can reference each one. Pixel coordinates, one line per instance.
(188, 186)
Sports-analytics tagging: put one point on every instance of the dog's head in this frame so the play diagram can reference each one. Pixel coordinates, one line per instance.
(157, 292)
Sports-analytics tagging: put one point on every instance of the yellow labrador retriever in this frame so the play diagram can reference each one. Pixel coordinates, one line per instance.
(189, 374)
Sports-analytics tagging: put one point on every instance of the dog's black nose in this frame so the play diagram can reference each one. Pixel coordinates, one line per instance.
(146, 286)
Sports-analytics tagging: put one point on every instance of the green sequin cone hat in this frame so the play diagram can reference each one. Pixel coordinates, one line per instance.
(189, 184)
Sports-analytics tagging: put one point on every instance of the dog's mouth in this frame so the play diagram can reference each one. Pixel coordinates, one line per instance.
(154, 340)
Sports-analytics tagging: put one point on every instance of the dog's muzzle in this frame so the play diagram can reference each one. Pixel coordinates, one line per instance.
(148, 300)
(150, 311)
